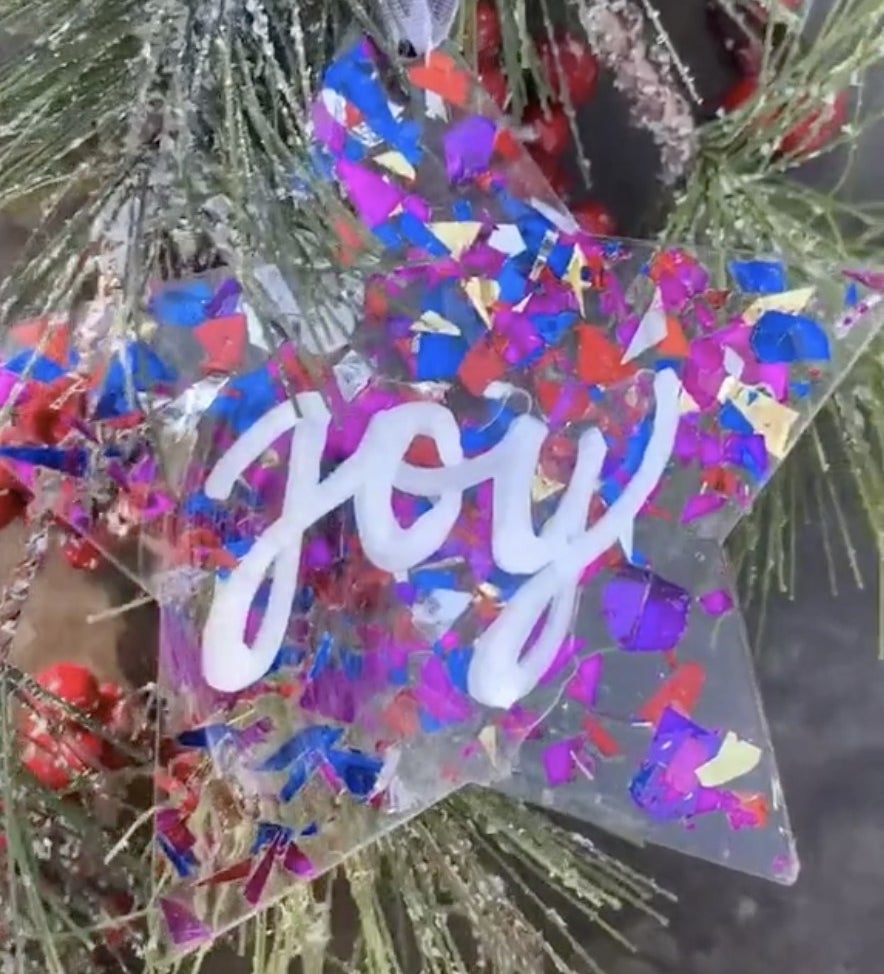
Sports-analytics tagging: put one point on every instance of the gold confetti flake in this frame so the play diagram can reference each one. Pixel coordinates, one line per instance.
(483, 293)
(687, 403)
(488, 740)
(395, 162)
(576, 273)
(457, 236)
(488, 591)
(789, 301)
(544, 487)
(734, 759)
(773, 420)
(431, 321)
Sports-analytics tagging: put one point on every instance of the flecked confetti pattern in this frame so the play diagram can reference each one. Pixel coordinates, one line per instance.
(491, 526)
(659, 732)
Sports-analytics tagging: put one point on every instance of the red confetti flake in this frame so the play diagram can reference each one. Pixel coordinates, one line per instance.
(595, 218)
(757, 807)
(740, 92)
(47, 414)
(438, 72)
(674, 345)
(599, 360)
(224, 342)
(600, 738)
(547, 128)
(349, 238)
(376, 304)
(29, 333)
(716, 299)
(681, 691)
(506, 143)
(423, 452)
(400, 715)
(294, 369)
(481, 365)
(233, 874)
(720, 480)
(116, 905)
(569, 403)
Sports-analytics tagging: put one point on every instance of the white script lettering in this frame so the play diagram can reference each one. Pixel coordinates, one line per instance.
(502, 671)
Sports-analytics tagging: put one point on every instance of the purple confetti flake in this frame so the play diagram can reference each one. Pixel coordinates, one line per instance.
(183, 925)
(701, 505)
(584, 685)
(666, 786)
(559, 761)
(718, 602)
(372, 195)
(469, 146)
(297, 862)
(645, 613)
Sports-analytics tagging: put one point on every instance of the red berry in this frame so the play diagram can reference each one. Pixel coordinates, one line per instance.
(817, 129)
(547, 129)
(117, 714)
(494, 82)
(118, 904)
(739, 93)
(12, 505)
(578, 66)
(44, 767)
(58, 755)
(72, 683)
(594, 218)
(488, 33)
(81, 554)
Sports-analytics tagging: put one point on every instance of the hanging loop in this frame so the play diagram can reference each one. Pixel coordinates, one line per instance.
(423, 24)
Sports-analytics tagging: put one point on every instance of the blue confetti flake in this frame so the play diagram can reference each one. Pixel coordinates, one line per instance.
(73, 461)
(182, 305)
(778, 336)
(439, 356)
(428, 579)
(184, 863)
(457, 663)
(357, 770)
(730, 418)
(759, 276)
(136, 367)
(35, 366)
(322, 657)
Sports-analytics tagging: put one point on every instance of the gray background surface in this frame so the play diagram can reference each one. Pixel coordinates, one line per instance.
(823, 688)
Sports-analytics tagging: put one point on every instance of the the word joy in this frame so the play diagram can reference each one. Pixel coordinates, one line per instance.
(502, 671)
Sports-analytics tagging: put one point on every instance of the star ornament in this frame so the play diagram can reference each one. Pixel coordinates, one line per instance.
(647, 719)
(484, 542)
